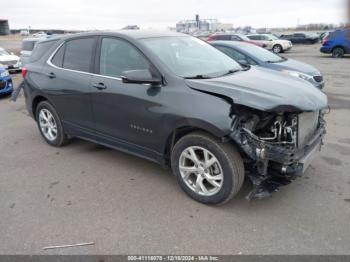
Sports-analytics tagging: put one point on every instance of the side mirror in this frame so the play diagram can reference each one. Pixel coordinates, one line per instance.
(243, 62)
(139, 77)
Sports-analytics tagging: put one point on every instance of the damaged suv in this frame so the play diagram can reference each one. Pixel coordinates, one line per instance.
(176, 100)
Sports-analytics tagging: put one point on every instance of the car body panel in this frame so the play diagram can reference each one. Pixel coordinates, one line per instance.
(6, 85)
(265, 90)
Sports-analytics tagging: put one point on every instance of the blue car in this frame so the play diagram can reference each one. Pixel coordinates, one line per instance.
(251, 55)
(337, 43)
(6, 85)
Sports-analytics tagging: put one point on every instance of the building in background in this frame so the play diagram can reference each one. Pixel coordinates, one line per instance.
(201, 25)
(4, 27)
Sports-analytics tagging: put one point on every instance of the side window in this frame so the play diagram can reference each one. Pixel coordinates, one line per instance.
(235, 38)
(57, 59)
(253, 37)
(40, 50)
(78, 54)
(232, 53)
(118, 56)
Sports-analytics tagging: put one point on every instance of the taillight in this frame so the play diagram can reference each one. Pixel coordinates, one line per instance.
(210, 38)
(24, 72)
(325, 40)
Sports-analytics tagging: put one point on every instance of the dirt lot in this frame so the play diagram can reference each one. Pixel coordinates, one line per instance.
(85, 192)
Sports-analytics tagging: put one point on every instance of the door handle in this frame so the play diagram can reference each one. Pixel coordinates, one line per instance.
(100, 86)
(51, 75)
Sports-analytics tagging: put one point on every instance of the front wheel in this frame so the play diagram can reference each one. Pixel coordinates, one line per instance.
(208, 170)
(277, 49)
(50, 125)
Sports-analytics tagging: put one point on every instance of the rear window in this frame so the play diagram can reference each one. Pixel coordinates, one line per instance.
(40, 50)
(28, 45)
(78, 54)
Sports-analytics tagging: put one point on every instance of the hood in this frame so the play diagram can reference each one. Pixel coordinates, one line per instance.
(294, 65)
(4, 58)
(265, 90)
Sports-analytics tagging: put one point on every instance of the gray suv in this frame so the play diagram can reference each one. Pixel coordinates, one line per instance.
(176, 100)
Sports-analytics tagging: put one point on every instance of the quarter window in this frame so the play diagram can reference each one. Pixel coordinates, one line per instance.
(118, 56)
(78, 54)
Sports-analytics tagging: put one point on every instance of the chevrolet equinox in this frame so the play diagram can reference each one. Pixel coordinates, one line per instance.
(177, 101)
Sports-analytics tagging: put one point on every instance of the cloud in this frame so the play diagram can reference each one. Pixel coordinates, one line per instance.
(111, 14)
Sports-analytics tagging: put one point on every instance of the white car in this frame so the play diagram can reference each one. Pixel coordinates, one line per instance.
(9, 61)
(40, 34)
(272, 42)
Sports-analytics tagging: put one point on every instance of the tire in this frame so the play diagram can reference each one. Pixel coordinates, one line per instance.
(60, 138)
(229, 162)
(338, 52)
(277, 49)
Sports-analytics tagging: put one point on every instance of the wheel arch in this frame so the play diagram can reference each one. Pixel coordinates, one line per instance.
(338, 46)
(36, 100)
(193, 126)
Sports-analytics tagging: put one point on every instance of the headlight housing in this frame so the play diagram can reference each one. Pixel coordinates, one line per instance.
(4, 74)
(299, 74)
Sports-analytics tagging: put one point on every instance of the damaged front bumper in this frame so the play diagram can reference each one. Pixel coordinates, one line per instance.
(271, 164)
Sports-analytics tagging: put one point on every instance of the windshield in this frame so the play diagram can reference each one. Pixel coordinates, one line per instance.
(4, 52)
(189, 57)
(244, 37)
(262, 54)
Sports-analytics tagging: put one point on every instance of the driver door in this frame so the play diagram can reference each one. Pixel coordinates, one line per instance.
(124, 113)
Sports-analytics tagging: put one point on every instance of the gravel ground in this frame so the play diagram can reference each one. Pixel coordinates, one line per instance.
(85, 192)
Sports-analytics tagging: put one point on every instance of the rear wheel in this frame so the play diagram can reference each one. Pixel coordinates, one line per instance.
(338, 52)
(277, 49)
(50, 125)
(208, 170)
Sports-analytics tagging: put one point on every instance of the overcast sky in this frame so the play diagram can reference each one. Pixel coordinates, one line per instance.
(159, 14)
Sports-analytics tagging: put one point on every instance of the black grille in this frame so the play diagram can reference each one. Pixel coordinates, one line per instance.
(318, 78)
(2, 84)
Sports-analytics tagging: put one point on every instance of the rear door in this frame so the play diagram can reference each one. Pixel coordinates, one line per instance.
(68, 79)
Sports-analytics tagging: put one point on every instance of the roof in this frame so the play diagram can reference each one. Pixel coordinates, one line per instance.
(230, 43)
(135, 34)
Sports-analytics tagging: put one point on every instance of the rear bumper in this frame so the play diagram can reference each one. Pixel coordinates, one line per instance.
(325, 50)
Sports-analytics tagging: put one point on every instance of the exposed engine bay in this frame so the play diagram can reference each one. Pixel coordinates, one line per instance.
(276, 145)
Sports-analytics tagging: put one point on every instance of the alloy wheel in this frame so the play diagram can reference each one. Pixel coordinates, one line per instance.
(48, 124)
(201, 171)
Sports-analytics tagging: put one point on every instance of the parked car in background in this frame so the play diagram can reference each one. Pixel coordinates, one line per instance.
(28, 45)
(9, 61)
(24, 32)
(272, 42)
(6, 85)
(337, 43)
(234, 37)
(188, 106)
(40, 34)
(248, 55)
(301, 38)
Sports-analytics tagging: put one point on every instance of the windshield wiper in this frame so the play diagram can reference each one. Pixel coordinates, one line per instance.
(229, 72)
(198, 77)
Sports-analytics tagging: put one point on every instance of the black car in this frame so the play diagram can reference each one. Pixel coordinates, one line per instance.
(301, 38)
(177, 101)
(249, 55)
